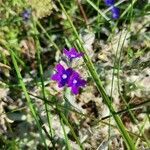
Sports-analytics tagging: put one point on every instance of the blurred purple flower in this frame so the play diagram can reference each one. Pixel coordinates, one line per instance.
(115, 12)
(62, 75)
(109, 2)
(75, 82)
(26, 14)
(72, 53)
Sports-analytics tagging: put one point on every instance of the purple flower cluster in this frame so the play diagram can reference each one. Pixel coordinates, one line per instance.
(115, 11)
(72, 53)
(26, 14)
(68, 76)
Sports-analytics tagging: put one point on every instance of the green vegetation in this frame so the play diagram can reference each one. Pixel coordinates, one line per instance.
(111, 111)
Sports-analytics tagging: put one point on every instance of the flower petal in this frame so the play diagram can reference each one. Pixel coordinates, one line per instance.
(70, 82)
(59, 68)
(82, 83)
(73, 51)
(60, 85)
(69, 72)
(62, 82)
(75, 75)
(75, 90)
(66, 52)
(55, 77)
(115, 12)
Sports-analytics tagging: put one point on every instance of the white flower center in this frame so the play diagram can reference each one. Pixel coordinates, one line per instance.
(74, 81)
(64, 76)
(72, 55)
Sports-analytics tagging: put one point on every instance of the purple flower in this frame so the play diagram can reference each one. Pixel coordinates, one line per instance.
(68, 76)
(26, 14)
(62, 75)
(115, 12)
(109, 2)
(75, 82)
(72, 53)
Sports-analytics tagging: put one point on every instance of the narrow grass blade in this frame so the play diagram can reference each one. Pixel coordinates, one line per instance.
(32, 108)
(65, 135)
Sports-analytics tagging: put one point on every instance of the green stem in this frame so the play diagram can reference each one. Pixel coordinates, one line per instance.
(71, 129)
(48, 36)
(48, 115)
(65, 135)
